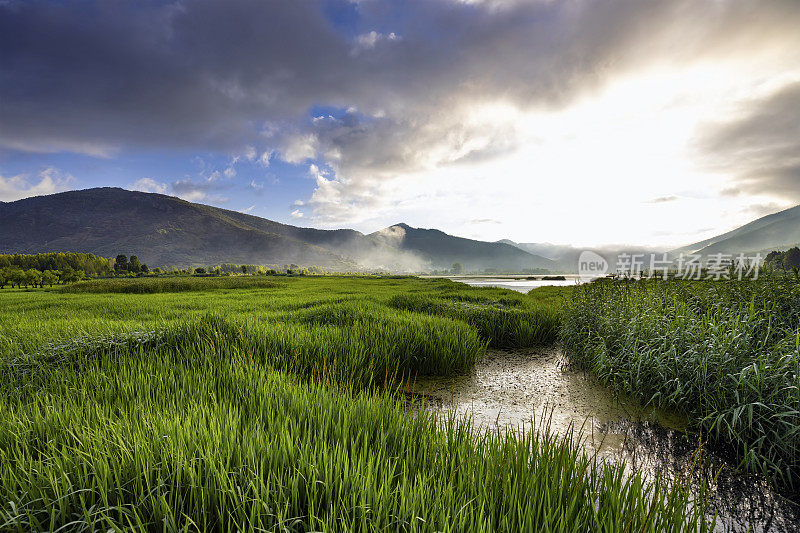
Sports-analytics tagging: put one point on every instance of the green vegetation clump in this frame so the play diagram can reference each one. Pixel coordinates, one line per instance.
(785, 260)
(240, 407)
(167, 284)
(506, 322)
(725, 353)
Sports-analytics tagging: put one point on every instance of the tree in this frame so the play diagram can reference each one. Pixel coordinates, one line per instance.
(244, 269)
(458, 268)
(49, 277)
(69, 275)
(199, 270)
(145, 269)
(121, 264)
(134, 265)
(792, 258)
(3, 277)
(16, 276)
(33, 277)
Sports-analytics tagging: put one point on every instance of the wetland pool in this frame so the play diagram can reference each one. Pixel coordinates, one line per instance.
(528, 389)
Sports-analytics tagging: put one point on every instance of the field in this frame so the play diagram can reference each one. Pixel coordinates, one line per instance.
(273, 404)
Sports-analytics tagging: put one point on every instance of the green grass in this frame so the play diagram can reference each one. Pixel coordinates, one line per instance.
(168, 284)
(240, 407)
(506, 321)
(724, 353)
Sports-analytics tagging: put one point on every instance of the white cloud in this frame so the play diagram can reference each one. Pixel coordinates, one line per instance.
(298, 148)
(48, 181)
(149, 185)
(190, 191)
(263, 160)
(249, 209)
(369, 40)
(297, 214)
(256, 186)
(193, 196)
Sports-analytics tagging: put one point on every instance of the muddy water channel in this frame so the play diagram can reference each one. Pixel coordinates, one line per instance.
(530, 388)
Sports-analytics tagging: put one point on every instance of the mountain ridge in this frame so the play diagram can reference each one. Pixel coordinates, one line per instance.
(776, 231)
(168, 231)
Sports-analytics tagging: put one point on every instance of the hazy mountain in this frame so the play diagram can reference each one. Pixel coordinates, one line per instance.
(566, 257)
(161, 230)
(779, 231)
(167, 231)
(441, 250)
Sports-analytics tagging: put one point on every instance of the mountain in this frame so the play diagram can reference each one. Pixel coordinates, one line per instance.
(166, 231)
(566, 257)
(441, 250)
(778, 231)
(161, 230)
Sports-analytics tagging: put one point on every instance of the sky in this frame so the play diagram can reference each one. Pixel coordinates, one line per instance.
(583, 122)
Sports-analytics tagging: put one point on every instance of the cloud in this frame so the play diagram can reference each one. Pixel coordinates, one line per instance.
(48, 181)
(249, 209)
(369, 40)
(224, 74)
(227, 173)
(484, 221)
(297, 214)
(263, 160)
(663, 199)
(149, 185)
(760, 147)
(435, 84)
(189, 190)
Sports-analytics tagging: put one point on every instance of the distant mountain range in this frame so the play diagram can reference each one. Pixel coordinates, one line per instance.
(169, 232)
(778, 231)
(566, 257)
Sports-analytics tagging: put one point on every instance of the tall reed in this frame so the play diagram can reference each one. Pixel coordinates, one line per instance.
(725, 353)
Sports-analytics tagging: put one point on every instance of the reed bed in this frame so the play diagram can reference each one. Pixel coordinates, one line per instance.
(222, 424)
(725, 353)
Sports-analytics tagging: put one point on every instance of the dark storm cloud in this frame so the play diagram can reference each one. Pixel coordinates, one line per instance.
(95, 76)
(761, 147)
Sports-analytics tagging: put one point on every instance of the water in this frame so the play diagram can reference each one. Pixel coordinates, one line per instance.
(511, 389)
(519, 284)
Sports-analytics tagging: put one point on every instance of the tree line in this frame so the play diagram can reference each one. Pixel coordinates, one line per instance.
(786, 260)
(38, 270)
(92, 265)
(48, 269)
(17, 277)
